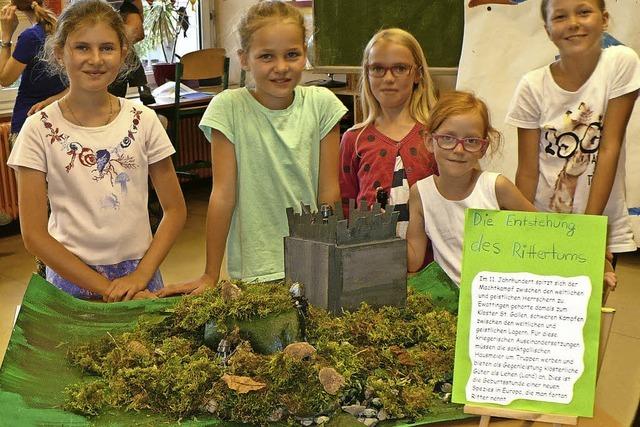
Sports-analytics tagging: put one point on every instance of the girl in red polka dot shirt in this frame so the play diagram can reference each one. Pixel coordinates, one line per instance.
(386, 152)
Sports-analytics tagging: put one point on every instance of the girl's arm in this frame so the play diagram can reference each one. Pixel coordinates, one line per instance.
(221, 206)
(610, 280)
(614, 127)
(510, 197)
(32, 200)
(416, 237)
(10, 69)
(349, 184)
(528, 172)
(165, 182)
(328, 182)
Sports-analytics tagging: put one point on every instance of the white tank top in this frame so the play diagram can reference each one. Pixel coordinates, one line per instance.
(444, 219)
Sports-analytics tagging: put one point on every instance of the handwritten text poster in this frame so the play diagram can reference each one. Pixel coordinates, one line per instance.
(529, 315)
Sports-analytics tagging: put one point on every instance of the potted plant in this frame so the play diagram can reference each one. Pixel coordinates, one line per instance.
(163, 22)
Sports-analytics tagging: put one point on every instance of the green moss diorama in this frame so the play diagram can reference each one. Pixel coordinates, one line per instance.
(389, 362)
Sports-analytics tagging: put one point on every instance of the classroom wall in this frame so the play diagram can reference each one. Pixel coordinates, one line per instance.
(227, 16)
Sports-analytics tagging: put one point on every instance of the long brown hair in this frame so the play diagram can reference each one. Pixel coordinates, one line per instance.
(44, 16)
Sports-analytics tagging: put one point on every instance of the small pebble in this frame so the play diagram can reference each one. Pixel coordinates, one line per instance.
(322, 419)
(354, 410)
(306, 422)
(211, 406)
(446, 388)
(369, 413)
(276, 415)
(370, 422)
(377, 402)
(382, 414)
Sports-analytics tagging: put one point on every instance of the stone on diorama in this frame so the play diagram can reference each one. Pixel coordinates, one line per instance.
(341, 262)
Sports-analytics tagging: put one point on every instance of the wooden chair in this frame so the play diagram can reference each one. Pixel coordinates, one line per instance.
(203, 65)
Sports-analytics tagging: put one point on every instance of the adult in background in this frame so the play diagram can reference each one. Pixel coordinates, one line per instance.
(36, 84)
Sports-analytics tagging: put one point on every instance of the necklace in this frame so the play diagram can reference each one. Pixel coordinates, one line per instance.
(66, 101)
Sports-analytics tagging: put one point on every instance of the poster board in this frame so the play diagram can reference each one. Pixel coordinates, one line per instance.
(529, 312)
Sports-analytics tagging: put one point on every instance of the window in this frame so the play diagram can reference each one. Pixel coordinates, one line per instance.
(188, 37)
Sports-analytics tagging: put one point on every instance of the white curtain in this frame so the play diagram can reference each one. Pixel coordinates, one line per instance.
(504, 41)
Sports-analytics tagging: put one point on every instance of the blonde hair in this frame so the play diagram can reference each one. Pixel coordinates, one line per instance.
(261, 14)
(44, 16)
(456, 103)
(423, 96)
(78, 14)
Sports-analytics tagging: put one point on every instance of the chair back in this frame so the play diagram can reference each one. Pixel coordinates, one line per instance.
(201, 65)
(205, 64)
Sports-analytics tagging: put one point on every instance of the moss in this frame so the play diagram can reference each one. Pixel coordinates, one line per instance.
(394, 354)
(256, 301)
(89, 398)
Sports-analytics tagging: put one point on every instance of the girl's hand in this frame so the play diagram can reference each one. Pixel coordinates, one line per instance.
(194, 287)
(610, 281)
(38, 106)
(50, 100)
(8, 22)
(145, 294)
(124, 288)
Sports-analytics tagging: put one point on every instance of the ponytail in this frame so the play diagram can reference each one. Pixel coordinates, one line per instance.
(44, 17)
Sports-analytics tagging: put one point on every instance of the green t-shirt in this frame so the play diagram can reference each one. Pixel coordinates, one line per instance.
(278, 157)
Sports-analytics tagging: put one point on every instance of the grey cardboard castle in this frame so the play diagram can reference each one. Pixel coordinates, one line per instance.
(342, 263)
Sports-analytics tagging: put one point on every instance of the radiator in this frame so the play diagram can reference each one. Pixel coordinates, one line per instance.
(193, 146)
(8, 187)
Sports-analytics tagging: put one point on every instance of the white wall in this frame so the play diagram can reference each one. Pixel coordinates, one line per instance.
(227, 16)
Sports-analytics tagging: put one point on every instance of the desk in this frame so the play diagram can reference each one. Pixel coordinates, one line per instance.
(199, 98)
(190, 100)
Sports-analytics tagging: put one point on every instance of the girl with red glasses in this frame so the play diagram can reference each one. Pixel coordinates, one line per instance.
(460, 134)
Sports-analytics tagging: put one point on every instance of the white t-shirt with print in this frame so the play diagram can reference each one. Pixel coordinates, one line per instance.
(570, 125)
(97, 179)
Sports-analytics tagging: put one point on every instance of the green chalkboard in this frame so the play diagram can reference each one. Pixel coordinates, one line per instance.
(343, 28)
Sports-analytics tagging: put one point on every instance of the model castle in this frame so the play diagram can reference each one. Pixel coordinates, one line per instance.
(341, 262)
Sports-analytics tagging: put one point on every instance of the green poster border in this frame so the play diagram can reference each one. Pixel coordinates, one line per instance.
(589, 239)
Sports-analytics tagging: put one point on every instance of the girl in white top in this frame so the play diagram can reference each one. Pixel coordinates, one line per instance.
(91, 155)
(459, 135)
(572, 116)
